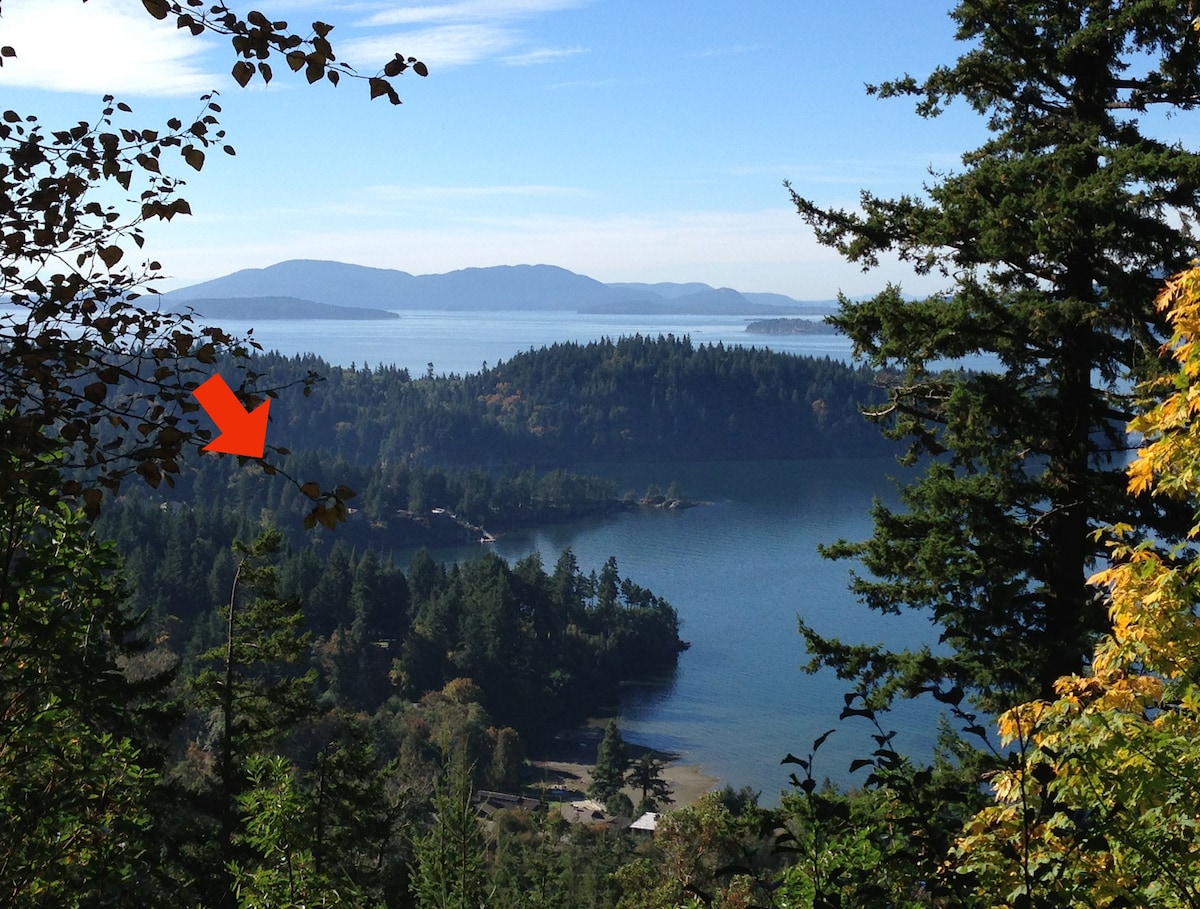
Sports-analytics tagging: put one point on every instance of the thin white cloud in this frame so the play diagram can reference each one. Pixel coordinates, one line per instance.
(734, 50)
(543, 55)
(461, 33)
(594, 83)
(100, 47)
(438, 48)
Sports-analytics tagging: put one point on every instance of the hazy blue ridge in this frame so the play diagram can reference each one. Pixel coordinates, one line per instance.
(498, 288)
(259, 308)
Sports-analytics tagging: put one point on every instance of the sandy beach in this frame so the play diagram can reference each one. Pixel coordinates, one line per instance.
(566, 765)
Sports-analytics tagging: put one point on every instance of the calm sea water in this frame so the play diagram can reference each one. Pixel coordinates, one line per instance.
(462, 342)
(739, 569)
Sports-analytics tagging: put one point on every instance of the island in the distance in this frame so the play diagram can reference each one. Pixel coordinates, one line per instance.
(276, 308)
(791, 327)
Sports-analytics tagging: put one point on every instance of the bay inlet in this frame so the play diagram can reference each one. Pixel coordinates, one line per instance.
(740, 569)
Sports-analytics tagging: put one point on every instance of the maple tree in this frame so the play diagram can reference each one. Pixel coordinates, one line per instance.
(1099, 805)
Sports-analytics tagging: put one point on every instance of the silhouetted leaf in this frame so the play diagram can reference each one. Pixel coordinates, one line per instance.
(856, 711)
(820, 740)
(242, 72)
(111, 255)
(157, 8)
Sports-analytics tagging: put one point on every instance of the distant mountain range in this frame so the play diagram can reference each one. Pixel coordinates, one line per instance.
(272, 308)
(503, 287)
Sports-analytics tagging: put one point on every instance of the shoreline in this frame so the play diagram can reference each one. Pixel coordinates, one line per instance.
(565, 767)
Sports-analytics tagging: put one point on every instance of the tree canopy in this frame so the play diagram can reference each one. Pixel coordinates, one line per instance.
(1051, 237)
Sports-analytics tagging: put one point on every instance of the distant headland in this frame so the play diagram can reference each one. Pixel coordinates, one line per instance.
(791, 327)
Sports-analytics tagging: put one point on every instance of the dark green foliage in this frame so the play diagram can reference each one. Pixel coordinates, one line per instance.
(703, 854)
(886, 843)
(251, 690)
(449, 871)
(542, 862)
(1052, 236)
(77, 791)
(356, 831)
(96, 390)
(612, 760)
(653, 399)
(540, 649)
(541, 646)
(530, 867)
(645, 776)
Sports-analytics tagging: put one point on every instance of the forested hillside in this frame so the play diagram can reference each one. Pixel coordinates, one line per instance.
(648, 399)
(504, 447)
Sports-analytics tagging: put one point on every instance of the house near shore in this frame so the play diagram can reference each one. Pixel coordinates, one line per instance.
(584, 811)
(488, 803)
(592, 813)
(646, 824)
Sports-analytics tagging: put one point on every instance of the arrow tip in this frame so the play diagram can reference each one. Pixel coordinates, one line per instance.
(244, 434)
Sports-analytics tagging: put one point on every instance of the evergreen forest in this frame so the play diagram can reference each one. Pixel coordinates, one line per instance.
(218, 689)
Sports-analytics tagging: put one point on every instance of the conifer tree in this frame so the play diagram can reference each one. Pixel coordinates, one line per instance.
(645, 775)
(253, 686)
(608, 776)
(77, 788)
(1050, 238)
(450, 859)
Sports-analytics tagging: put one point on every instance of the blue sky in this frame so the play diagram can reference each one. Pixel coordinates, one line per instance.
(630, 140)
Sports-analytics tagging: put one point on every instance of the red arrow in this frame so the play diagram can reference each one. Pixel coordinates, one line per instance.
(241, 433)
